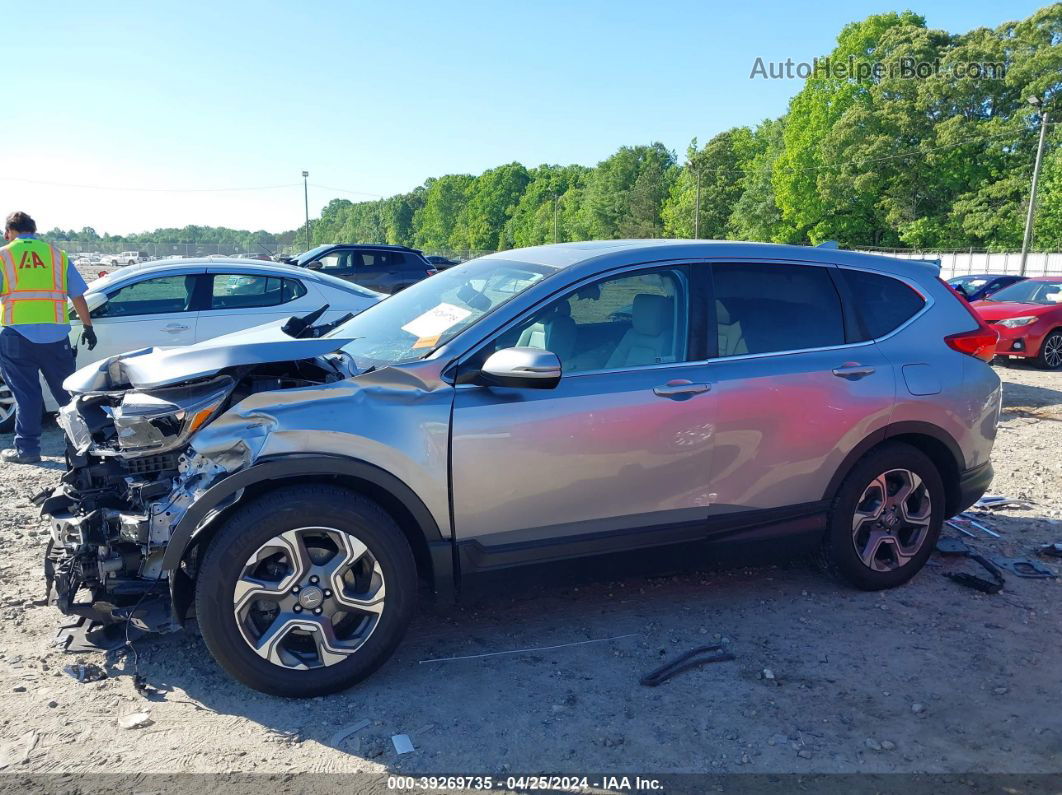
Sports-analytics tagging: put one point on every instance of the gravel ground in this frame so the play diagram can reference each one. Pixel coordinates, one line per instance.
(931, 677)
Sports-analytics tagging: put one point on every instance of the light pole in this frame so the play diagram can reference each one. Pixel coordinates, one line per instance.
(556, 199)
(1026, 242)
(697, 208)
(306, 199)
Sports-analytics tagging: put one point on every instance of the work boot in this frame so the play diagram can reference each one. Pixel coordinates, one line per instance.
(10, 456)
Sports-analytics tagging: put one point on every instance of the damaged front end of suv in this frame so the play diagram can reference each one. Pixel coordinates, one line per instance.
(134, 470)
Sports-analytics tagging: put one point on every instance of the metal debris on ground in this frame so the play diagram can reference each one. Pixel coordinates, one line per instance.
(346, 731)
(991, 502)
(402, 743)
(955, 525)
(1050, 550)
(965, 517)
(85, 672)
(1023, 567)
(956, 547)
(702, 655)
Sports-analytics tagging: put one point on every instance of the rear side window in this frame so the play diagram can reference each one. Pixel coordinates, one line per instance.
(771, 308)
(884, 303)
(246, 291)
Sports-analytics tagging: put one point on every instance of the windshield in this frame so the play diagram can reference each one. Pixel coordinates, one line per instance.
(306, 256)
(969, 284)
(411, 324)
(1031, 292)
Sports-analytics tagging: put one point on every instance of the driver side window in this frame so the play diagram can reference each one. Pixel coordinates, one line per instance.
(627, 321)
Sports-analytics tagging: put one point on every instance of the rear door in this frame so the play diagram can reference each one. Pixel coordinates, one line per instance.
(794, 391)
(238, 301)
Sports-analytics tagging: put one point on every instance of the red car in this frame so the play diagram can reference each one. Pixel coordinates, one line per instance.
(1028, 318)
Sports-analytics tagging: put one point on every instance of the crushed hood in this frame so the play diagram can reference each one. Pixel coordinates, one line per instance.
(148, 368)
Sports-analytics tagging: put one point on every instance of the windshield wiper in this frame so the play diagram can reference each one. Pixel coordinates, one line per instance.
(304, 328)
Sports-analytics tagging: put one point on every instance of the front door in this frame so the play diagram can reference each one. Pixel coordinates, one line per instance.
(623, 443)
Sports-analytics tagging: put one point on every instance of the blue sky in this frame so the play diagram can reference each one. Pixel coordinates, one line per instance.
(144, 105)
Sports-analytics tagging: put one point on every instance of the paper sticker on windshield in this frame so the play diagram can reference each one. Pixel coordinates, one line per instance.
(427, 342)
(435, 321)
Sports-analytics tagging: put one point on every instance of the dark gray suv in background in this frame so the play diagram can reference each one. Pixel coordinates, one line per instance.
(378, 266)
(295, 483)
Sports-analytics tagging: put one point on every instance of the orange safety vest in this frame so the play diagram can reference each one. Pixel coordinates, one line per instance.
(34, 287)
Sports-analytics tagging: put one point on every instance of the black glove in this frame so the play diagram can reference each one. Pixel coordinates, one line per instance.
(88, 337)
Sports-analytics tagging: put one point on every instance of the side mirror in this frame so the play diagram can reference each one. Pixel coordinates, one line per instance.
(315, 265)
(527, 368)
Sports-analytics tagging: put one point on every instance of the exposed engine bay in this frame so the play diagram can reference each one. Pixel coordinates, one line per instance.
(132, 471)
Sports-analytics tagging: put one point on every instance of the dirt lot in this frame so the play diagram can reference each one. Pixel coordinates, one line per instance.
(931, 677)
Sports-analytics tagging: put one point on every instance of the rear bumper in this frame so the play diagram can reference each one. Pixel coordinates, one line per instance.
(973, 483)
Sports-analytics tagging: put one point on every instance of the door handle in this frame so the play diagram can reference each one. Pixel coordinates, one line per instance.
(853, 371)
(679, 388)
(173, 328)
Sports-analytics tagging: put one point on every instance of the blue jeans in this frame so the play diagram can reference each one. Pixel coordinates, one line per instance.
(22, 363)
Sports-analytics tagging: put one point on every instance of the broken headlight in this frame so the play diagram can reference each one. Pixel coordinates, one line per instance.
(157, 420)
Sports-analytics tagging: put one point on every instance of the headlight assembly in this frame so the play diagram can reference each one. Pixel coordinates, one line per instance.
(158, 420)
(1017, 322)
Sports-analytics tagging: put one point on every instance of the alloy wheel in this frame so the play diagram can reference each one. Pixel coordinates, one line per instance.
(1053, 351)
(309, 597)
(7, 402)
(891, 520)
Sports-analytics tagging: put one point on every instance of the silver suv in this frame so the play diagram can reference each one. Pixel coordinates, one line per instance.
(293, 483)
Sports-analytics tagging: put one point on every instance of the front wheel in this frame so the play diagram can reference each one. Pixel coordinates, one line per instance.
(1050, 356)
(886, 518)
(306, 591)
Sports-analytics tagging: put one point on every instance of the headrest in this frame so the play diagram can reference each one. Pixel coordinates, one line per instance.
(650, 314)
(563, 308)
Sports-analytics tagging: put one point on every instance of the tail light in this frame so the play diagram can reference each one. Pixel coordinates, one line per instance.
(431, 271)
(981, 341)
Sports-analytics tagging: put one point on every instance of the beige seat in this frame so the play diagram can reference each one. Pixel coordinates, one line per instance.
(651, 337)
(731, 339)
(555, 331)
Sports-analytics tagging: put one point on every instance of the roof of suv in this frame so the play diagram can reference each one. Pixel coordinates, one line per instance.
(620, 252)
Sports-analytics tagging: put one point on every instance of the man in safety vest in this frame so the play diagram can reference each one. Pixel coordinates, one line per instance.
(37, 278)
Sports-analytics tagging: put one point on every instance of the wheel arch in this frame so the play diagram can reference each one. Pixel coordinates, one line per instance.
(433, 553)
(935, 442)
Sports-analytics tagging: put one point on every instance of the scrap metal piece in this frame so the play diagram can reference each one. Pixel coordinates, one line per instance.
(995, 585)
(981, 527)
(702, 655)
(1023, 567)
(1050, 550)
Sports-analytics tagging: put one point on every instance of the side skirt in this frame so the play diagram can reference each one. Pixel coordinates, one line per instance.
(791, 526)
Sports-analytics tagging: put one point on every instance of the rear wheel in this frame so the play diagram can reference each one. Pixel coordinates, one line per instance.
(1050, 356)
(306, 591)
(886, 518)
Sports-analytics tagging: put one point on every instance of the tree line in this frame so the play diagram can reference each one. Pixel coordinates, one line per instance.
(936, 162)
(887, 159)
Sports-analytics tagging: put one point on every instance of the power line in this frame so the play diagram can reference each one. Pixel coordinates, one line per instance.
(144, 190)
(351, 192)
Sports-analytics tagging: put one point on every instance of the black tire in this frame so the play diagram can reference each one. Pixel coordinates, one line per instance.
(839, 552)
(7, 425)
(254, 525)
(1050, 356)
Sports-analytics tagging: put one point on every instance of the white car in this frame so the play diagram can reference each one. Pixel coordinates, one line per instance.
(164, 304)
(125, 258)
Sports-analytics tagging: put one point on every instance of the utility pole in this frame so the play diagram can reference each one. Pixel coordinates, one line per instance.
(1026, 242)
(306, 199)
(697, 207)
(556, 199)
